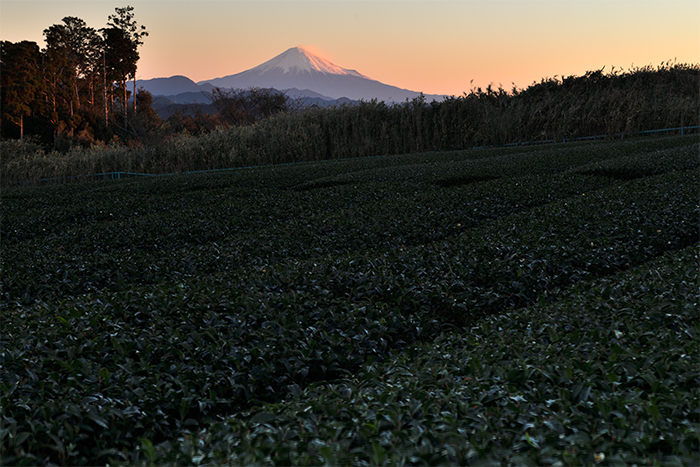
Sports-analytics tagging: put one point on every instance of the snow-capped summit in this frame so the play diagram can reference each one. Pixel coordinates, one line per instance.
(300, 60)
(301, 69)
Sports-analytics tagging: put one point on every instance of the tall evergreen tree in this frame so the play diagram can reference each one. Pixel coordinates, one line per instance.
(58, 76)
(20, 81)
(120, 57)
(123, 46)
(77, 46)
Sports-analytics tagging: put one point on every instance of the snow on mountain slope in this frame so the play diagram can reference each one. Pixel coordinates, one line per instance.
(299, 60)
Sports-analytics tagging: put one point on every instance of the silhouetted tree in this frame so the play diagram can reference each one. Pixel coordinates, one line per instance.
(20, 81)
(123, 36)
(120, 63)
(79, 46)
(70, 61)
(145, 122)
(243, 107)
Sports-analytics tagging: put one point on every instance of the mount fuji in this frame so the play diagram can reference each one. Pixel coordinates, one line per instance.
(296, 72)
(298, 68)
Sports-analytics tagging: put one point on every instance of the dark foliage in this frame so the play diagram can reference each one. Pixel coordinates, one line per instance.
(244, 107)
(360, 311)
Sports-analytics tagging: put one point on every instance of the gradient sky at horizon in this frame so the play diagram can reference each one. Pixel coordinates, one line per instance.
(433, 46)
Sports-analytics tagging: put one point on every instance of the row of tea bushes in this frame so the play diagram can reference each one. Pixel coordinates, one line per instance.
(607, 375)
(64, 241)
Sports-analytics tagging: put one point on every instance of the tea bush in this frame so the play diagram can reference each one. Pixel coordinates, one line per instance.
(512, 305)
(606, 375)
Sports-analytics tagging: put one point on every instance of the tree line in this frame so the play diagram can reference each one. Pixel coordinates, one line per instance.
(76, 88)
(253, 127)
(77, 91)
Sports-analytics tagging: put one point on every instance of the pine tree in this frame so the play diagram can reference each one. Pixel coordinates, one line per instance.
(123, 36)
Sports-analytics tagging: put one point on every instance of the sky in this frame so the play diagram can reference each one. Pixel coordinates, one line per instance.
(431, 46)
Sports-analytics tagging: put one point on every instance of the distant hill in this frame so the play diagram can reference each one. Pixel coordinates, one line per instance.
(169, 86)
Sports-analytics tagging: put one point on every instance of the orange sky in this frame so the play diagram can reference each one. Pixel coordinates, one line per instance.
(433, 46)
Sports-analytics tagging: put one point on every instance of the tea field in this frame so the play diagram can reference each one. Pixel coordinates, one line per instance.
(509, 306)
